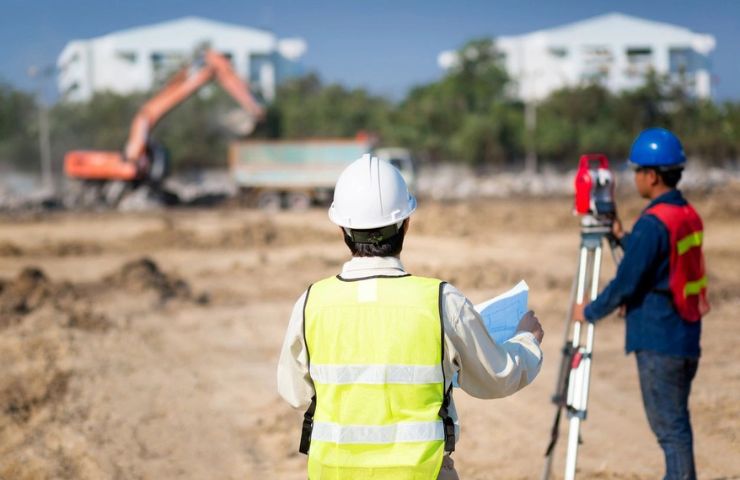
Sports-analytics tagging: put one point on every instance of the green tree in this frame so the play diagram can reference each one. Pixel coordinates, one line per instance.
(467, 115)
(578, 120)
(18, 129)
(307, 108)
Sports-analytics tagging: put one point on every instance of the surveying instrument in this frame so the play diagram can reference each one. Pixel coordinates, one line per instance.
(594, 203)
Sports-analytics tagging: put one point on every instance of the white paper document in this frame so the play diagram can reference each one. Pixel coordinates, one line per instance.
(501, 314)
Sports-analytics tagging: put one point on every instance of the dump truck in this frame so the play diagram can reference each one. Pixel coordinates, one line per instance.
(281, 174)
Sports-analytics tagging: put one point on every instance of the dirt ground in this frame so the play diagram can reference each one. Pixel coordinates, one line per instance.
(144, 346)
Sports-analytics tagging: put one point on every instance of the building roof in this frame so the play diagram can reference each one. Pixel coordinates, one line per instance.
(170, 35)
(634, 31)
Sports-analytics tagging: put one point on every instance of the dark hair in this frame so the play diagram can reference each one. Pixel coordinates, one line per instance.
(389, 247)
(670, 177)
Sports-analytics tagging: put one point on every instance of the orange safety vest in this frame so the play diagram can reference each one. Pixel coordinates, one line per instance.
(687, 277)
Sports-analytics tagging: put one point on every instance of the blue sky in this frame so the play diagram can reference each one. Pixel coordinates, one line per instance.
(385, 46)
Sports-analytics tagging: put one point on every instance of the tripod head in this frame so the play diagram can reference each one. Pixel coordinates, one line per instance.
(594, 194)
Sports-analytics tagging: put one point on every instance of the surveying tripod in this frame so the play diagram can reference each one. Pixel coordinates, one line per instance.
(571, 390)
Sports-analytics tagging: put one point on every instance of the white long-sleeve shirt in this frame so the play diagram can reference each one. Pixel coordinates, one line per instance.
(485, 369)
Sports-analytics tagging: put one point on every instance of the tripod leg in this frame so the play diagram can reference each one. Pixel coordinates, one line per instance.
(573, 386)
(590, 332)
(562, 382)
(582, 373)
(580, 368)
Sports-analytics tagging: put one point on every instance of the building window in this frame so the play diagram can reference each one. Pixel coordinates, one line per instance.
(682, 60)
(256, 62)
(639, 61)
(558, 52)
(71, 90)
(128, 56)
(597, 62)
(164, 64)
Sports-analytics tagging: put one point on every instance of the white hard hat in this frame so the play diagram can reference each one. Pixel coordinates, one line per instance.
(370, 193)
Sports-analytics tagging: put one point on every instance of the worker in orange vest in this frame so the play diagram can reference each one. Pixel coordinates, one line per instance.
(662, 285)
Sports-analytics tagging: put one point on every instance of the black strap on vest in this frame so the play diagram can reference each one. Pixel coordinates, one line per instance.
(308, 416)
(307, 427)
(444, 414)
(449, 425)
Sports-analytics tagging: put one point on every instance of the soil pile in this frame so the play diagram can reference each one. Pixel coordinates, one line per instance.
(37, 318)
(45, 324)
(32, 289)
(143, 275)
(9, 249)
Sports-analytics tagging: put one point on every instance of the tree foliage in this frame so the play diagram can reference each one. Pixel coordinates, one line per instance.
(18, 129)
(466, 116)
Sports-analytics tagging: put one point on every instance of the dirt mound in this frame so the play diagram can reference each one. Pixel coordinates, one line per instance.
(32, 289)
(9, 249)
(143, 275)
(35, 387)
(20, 397)
(28, 291)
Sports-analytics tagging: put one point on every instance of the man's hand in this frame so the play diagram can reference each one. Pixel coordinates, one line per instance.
(530, 323)
(617, 229)
(578, 315)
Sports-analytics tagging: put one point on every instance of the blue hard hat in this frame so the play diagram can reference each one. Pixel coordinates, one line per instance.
(657, 147)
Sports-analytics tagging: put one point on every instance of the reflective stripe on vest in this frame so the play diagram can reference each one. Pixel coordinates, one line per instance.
(695, 288)
(393, 433)
(687, 278)
(375, 353)
(689, 241)
(376, 374)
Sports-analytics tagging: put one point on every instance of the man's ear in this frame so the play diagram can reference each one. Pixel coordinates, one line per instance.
(406, 225)
(654, 177)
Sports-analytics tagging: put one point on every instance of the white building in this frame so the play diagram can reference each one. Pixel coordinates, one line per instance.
(139, 59)
(615, 50)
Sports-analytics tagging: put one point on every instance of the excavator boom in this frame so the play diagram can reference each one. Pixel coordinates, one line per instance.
(134, 163)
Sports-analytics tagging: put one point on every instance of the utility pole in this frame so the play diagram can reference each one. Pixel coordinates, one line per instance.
(528, 79)
(41, 74)
(530, 125)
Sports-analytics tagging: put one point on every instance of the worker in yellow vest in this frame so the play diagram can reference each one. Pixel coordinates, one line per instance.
(371, 352)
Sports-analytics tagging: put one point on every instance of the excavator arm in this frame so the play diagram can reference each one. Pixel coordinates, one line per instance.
(134, 163)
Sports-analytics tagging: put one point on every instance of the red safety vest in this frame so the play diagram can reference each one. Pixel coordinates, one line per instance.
(688, 280)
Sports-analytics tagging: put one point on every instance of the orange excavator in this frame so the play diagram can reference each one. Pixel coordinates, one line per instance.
(108, 174)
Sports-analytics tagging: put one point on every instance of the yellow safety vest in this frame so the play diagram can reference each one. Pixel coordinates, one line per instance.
(375, 350)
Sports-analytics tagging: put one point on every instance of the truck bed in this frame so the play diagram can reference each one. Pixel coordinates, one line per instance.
(292, 165)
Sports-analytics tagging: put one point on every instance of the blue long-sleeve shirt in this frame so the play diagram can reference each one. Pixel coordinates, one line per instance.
(641, 283)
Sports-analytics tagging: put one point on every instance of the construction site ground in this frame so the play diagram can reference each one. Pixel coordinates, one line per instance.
(144, 345)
